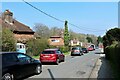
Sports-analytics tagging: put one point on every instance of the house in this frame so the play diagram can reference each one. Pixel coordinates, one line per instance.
(56, 41)
(74, 42)
(22, 32)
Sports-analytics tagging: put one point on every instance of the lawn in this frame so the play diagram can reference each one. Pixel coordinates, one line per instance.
(36, 57)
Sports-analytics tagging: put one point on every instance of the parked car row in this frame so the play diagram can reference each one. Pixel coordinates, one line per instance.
(78, 51)
(16, 65)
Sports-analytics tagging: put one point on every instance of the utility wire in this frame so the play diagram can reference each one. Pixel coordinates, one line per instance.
(60, 19)
(43, 12)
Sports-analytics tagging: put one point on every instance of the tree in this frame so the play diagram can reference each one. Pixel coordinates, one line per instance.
(89, 39)
(99, 39)
(66, 35)
(42, 30)
(111, 36)
(8, 41)
(55, 31)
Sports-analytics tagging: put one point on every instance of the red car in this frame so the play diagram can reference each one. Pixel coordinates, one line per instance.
(90, 49)
(52, 55)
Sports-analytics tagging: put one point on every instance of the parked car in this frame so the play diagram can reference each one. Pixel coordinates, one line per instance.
(76, 51)
(85, 50)
(17, 65)
(52, 55)
(90, 48)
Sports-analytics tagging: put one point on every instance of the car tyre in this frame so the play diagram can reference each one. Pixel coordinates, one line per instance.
(7, 76)
(63, 60)
(38, 69)
(57, 62)
(71, 54)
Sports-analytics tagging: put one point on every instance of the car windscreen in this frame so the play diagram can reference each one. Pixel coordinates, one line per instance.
(48, 52)
(76, 48)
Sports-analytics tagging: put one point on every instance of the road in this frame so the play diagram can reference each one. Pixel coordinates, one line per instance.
(73, 67)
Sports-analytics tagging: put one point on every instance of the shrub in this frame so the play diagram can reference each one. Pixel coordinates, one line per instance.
(113, 54)
(35, 46)
(8, 41)
(64, 49)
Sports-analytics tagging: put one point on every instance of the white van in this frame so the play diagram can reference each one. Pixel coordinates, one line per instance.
(20, 47)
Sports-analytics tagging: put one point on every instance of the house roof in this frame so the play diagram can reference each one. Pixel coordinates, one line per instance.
(55, 37)
(16, 26)
(21, 27)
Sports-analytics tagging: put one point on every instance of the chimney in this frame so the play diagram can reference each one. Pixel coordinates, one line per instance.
(8, 16)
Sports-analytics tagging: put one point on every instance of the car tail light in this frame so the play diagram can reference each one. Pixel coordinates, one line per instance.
(41, 55)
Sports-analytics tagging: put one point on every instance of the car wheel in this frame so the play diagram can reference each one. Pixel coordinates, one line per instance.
(57, 62)
(63, 60)
(38, 69)
(7, 76)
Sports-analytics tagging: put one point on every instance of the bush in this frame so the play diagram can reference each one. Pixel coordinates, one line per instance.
(111, 43)
(64, 49)
(35, 46)
(113, 54)
(8, 41)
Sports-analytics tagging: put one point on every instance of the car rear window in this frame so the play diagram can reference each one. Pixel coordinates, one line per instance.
(84, 49)
(48, 52)
(76, 48)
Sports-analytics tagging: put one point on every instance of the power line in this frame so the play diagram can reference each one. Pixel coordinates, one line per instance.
(43, 12)
(60, 19)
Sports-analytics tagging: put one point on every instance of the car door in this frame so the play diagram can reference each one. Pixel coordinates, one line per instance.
(25, 63)
(60, 55)
(11, 64)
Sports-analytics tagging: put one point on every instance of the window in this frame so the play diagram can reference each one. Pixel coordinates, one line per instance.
(23, 58)
(58, 52)
(48, 52)
(54, 40)
(9, 58)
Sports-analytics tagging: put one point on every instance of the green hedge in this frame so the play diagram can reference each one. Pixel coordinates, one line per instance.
(113, 54)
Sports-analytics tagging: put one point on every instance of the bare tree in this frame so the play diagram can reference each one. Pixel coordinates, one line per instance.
(42, 30)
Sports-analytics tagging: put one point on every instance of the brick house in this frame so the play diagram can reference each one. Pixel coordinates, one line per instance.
(22, 32)
(56, 41)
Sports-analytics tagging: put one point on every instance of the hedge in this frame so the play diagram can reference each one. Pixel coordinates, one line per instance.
(113, 54)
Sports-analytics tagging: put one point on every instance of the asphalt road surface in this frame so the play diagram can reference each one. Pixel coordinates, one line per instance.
(73, 67)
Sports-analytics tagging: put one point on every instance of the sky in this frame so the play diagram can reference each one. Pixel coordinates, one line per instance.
(90, 17)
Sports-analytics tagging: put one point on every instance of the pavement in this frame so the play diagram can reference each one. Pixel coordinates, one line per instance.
(102, 68)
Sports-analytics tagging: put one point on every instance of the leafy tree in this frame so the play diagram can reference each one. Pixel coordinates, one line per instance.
(8, 41)
(89, 39)
(111, 36)
(99, 39)
(66, 35)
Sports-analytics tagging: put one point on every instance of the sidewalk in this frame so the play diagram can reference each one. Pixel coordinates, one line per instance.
(102, 69)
